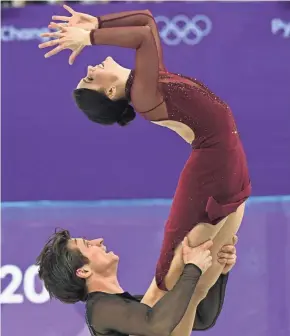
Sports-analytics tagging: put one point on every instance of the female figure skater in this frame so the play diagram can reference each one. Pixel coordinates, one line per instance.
(214, 184)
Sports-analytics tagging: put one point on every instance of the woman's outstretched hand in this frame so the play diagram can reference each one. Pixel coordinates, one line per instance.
(71, 38)
(77, 19)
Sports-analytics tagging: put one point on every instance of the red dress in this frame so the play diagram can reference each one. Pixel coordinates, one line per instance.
(215, 180)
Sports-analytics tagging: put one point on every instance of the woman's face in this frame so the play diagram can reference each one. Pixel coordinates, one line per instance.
(102, 76)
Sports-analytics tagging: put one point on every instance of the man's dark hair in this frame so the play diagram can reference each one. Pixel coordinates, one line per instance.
(101, 109)
(57, 268)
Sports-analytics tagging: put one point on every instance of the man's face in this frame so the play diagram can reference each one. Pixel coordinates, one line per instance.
(96, 252)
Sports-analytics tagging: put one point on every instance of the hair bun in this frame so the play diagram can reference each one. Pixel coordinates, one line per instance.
(126, 116)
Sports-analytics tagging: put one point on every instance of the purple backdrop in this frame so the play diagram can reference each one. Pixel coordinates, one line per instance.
(51, 151)
(257, 302)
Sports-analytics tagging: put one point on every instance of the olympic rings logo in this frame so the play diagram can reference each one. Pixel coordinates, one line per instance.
(183, 29)
(280, 26)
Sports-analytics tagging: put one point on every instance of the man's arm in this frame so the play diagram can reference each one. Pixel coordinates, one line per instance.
(210, 307)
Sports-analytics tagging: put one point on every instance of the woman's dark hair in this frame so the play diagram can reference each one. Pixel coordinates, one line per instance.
(57, 268)
(101, 109)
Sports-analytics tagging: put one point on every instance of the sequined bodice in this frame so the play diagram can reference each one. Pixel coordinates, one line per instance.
(190, 102)
(185, 99)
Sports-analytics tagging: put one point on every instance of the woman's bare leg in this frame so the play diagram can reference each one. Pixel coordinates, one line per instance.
(221, 234)
(208, 279)
(197, 236)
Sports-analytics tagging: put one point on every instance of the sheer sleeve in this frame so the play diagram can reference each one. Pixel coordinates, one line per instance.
(134, 18)
(210, 307)
(114, 313)
(145, 94)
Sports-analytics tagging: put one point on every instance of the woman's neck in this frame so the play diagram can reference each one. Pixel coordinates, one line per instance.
(123, 79)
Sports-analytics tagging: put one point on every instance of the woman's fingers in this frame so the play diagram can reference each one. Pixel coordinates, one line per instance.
(60, 18)
(51, 26)
(69, 9)
(54, 51)
(49, 44)
(74, 55)
(58, 26)
(52, 34)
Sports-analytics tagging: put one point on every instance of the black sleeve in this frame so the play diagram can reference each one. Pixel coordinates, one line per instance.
(114, 313)
(210, 307)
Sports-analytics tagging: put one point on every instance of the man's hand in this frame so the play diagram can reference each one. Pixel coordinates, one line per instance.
(228, 256)
(199, 256)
